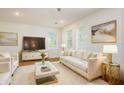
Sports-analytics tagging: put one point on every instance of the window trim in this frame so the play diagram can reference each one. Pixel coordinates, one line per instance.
(77, 39)
(67, 38)
(49, 47)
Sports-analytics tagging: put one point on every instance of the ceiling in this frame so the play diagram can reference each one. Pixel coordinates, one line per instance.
(51, 17)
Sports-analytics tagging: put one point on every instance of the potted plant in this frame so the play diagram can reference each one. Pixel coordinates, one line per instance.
(43, 55)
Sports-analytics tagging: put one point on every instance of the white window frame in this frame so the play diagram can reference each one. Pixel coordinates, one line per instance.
(67, 39)
(77, 39)
(49, 47)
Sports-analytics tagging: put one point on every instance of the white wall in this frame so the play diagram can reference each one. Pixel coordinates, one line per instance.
(122, 39)
(29, 30)
(99, 17)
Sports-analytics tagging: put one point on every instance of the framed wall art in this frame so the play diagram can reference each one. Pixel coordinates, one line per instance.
(104, 33)
(8, 39)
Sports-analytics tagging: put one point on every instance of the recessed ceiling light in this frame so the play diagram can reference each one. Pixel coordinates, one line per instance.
(17, 13)
(61, 21)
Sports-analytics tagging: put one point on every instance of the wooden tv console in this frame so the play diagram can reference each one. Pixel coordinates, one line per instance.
(31, 55)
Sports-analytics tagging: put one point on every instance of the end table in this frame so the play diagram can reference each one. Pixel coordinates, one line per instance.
(111, 73)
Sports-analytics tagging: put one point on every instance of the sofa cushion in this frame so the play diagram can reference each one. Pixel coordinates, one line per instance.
(5, 78)
(67, 53)
(86, 55)
(66, 57)
(79, 54)
(73, 53)
(94, 55)
(77, 62)
(80, 64)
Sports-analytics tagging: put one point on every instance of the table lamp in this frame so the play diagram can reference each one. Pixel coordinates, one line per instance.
(110, 49)
(63, 47)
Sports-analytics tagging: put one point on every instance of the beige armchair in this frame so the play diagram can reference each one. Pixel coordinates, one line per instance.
(5, 68)
(8, 64)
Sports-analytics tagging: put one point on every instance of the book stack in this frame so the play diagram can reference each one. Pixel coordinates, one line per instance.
(45, 68)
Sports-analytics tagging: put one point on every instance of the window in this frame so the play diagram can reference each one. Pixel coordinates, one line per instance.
(82, 39)
(52, 36)
(69, 39)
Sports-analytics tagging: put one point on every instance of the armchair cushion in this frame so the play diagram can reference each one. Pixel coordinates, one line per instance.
(5, 55)
(4, 67)
(5, 78)
(5, 61)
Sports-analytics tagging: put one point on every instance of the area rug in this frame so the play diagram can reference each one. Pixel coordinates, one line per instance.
(24, 75)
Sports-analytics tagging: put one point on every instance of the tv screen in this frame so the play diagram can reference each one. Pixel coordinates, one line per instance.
(33, 43)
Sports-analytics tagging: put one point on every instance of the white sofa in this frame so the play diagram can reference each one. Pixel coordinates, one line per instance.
(87, 64)
(8, 64)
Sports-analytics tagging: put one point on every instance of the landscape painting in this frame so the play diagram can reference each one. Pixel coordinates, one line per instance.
(8, 39)
(104, 33)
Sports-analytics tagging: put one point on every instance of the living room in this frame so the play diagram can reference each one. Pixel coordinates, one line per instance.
(66, 31)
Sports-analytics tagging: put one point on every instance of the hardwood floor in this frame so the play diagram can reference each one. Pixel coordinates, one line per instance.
(26, 63)
(32, 62)
(54, 59)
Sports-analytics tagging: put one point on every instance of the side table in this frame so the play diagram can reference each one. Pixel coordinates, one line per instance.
(111, 73)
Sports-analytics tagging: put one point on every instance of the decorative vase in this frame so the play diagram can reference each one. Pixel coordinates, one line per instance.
(43, 57)
(43, 61)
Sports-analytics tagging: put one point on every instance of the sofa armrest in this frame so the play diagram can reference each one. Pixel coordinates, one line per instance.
(94, 67)
(14, 61)
(15, 56)
(5, 67)
(96, 58)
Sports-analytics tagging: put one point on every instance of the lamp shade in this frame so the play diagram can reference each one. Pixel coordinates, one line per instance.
(110, 49)
(62, 52)
(63, 45)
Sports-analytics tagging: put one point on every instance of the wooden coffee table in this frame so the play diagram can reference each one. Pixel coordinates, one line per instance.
(45, 77)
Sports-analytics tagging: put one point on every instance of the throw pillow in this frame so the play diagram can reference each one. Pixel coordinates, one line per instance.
(94, 55)
(73, 52)
(79, 54)
(65, 53)
(86, 55)
(69, 53)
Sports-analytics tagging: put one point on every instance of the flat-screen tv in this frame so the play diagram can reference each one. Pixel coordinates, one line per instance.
(33, 43)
